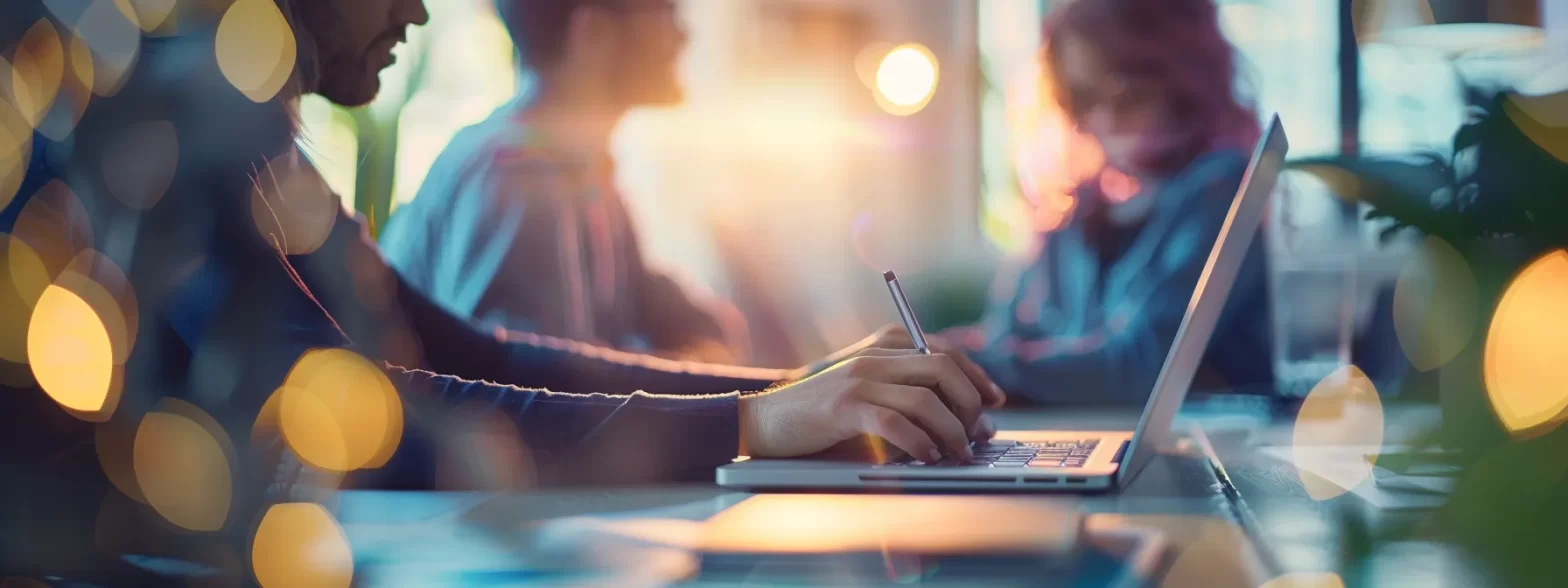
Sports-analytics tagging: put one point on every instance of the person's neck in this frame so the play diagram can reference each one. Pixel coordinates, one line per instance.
(573, 115)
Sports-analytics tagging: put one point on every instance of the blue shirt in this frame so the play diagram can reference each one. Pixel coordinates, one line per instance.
(1091, 319)
(510, 232)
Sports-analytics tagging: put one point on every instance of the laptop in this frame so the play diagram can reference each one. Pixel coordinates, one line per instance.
(1064, 460)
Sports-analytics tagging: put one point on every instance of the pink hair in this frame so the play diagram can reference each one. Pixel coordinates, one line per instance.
(1176, 42)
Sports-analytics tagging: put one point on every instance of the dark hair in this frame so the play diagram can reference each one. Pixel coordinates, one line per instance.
(1178, 42)
(538, 27)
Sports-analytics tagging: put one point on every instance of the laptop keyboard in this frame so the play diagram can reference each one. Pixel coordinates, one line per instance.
(1048, 454)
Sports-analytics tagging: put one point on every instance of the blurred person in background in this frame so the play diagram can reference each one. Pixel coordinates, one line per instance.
(1091, 318)
(241, 262)
(241, 277)
(519, 224)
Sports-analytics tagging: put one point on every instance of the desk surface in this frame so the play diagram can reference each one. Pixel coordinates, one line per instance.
(1179, 494)
(1251, 515)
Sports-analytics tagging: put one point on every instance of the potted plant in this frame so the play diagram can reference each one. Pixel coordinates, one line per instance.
(1501, 204)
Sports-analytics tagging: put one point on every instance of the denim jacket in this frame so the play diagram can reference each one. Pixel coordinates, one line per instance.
(1073, 329)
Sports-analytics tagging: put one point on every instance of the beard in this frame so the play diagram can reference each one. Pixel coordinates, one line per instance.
(348, 80)
(338, 73)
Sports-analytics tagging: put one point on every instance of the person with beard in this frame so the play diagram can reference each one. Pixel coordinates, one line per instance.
(519, 225)
(1091, 318)
(244, 263)
(245, 282)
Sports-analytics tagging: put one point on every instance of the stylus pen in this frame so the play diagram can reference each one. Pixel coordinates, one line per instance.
(906, 313)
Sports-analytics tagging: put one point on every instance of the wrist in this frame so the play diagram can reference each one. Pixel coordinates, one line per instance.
(746, 408)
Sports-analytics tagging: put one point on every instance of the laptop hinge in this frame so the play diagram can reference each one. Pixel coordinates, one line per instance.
(1121, 451)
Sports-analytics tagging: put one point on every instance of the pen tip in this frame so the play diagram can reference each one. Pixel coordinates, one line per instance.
(888, 275)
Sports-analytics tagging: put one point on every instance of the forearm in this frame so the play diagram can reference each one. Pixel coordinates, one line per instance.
(454, 346)
(587, 438)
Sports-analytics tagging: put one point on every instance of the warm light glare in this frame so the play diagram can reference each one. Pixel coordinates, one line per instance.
(100, 283)
(299, 544)
(1339, 425)
(1543, 119)
(1526, 362)
(182, 460)
(868, 61)
(1118, 187)
(1436, 305)
(256, 48)
(1306, 580)
(906, 79)
(339, 411)
(22, 281)
(35, 76)
(69, 351)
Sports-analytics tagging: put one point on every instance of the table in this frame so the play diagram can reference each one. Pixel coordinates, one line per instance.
(414, 538)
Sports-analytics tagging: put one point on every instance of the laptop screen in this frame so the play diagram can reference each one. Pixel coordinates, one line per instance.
(1208, 298)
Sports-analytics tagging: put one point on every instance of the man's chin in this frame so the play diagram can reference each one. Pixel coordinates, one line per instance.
(351, 95)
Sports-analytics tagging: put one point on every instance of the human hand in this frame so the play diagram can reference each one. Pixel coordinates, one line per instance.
(895, 337)
(926, 405)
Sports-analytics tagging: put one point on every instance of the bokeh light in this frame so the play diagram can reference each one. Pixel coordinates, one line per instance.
(292, 207)
(115, 443)
(299, 544)
(100, 283)
(1544, 119)
(140, 164)
(339, 412)
(256, 48)
(76, 92)
(484, 452)
(148, 14)
(1306, 580)
(868, 60)
(1526, 357)
(37, 71)
(906, 79)
(1436, 305)
(1051, 159)
(1205, 548)
(114, 42)
(1337, 433)
(182, 460)
(1118, 187)
(16, 151)
(82, 62)
(69, 351)
(55, 225)
(22, 283)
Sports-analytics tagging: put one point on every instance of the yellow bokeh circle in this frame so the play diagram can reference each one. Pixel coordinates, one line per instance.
(339, 412)
(1526, 358)
(183, 463)
(299, 544)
